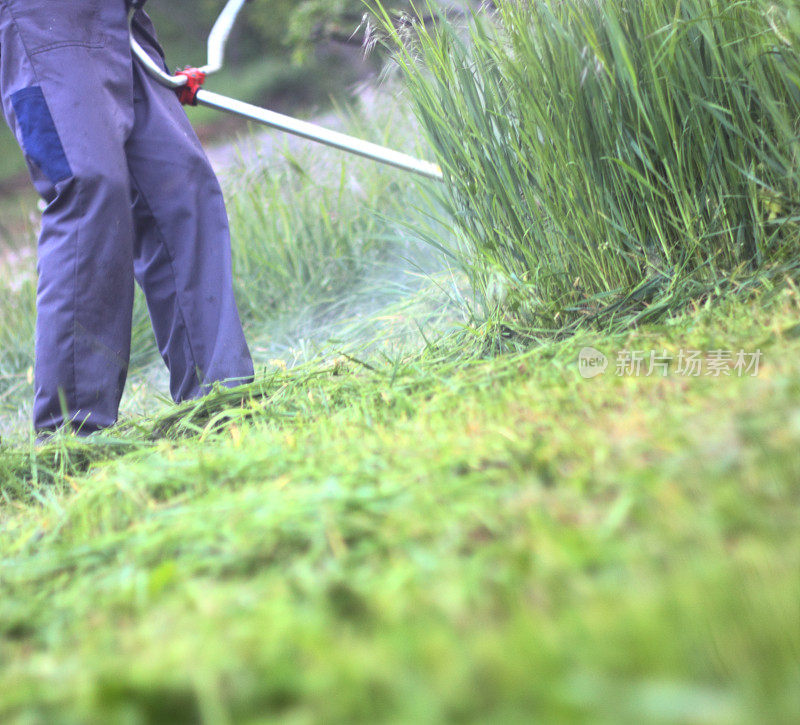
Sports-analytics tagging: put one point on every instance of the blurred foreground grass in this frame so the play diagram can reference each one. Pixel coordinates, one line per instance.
(425, 539)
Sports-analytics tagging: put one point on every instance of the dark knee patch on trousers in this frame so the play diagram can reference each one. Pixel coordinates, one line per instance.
(39, 135)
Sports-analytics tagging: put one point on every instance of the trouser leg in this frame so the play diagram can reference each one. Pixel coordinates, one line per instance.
(84, 305)
(182, 248)
(68, 85)
(66, 94)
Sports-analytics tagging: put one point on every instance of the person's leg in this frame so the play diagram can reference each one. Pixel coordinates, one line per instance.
(66, 88)
(182, 248)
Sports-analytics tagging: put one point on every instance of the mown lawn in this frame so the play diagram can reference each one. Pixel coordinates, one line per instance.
(434, 517)
(427, 539)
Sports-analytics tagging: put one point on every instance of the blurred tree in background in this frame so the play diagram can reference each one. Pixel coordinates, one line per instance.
(278, 27)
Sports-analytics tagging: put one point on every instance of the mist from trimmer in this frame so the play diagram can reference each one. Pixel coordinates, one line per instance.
(188, 84)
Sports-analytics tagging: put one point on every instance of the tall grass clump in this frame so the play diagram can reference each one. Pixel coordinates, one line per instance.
(607, 160)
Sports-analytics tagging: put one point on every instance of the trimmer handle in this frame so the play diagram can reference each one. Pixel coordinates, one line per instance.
(216, 45)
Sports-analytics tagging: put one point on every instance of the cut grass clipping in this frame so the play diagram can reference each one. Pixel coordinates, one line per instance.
(606, 161)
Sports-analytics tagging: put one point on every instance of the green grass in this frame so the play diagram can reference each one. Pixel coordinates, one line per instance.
(427, 540)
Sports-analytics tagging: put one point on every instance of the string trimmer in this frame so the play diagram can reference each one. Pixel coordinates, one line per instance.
(188, 83)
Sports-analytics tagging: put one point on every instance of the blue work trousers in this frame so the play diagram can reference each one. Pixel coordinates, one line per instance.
(130, 196)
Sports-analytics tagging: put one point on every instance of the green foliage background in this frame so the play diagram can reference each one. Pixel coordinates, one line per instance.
(280, 26)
